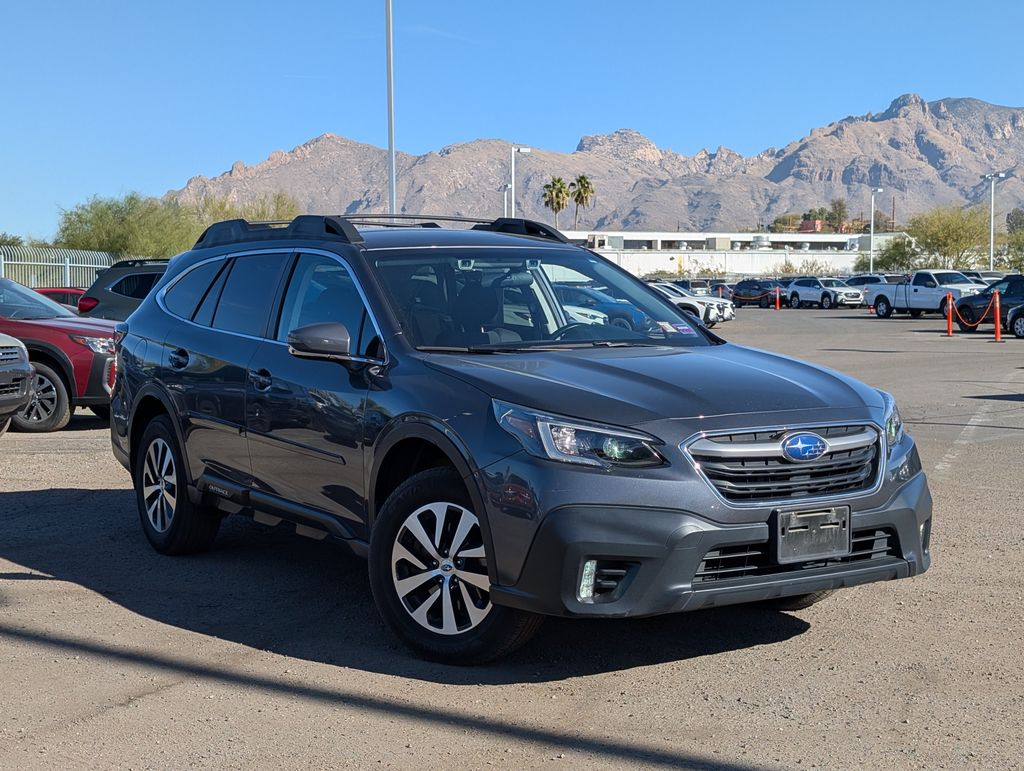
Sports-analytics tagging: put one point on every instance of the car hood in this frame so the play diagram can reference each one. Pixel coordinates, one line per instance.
(76, 326)
(964, 287)
(633, 386)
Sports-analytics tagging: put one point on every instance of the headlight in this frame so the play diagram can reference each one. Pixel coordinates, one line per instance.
(570, 441)
(95, 344)
(894, 432)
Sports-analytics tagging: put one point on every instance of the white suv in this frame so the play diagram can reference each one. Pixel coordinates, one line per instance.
(826, 292)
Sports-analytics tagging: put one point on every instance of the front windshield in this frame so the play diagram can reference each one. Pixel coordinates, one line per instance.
(20, 302)
(952, 277)
(833, 282)
(520, 299)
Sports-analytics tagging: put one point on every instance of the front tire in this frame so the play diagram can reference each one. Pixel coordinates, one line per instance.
(50, 408)
(826, 302)
(428, 574)
(764, 302)
(794, 301)
(1018, 326)
(965, 320)
(171, 522)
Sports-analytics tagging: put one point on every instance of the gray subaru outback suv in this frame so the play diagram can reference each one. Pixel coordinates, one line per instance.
(419, 395)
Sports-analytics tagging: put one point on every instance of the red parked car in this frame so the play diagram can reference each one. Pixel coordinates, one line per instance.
(64, 295)
(73, 357)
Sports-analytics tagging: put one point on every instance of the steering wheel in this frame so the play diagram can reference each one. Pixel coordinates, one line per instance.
(559, 333)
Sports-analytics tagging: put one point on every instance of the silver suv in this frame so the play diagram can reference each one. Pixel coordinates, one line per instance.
(826, 292)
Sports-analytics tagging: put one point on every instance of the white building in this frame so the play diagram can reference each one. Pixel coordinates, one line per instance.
(735, 253)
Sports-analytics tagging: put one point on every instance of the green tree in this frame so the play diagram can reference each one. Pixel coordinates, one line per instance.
(9, 239)
(1015, 221)
(136, 225)
(556, 196)
(897, 256)
(581, 190)
(785, 223)
(951, 235)
(837, 214)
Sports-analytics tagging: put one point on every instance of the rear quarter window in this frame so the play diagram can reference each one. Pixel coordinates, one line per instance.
(186, 293)
(135, 285)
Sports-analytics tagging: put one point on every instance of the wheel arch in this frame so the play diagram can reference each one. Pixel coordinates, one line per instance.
(149, 403)
(53, 357)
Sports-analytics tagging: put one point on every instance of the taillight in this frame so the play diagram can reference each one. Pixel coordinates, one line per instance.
(86, 303)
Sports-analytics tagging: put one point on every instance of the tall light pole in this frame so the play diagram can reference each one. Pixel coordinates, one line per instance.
(392, 199)
(504, 198)
(992, 178)
(871, 244)
(512, 182)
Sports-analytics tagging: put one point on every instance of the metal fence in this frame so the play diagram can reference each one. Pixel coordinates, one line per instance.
(43, 267)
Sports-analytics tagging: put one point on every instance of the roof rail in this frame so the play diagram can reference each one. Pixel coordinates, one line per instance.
(426, 217)
(304, 226)
(136, 261)
(521, 227)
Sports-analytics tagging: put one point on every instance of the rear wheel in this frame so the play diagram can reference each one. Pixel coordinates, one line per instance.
(428, 573)
(50, 407)
(1018, 326)
(883, 309)
(171, 522)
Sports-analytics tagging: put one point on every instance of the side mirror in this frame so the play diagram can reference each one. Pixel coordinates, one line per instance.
(328, 340)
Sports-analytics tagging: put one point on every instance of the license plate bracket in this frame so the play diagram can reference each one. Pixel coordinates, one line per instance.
(805, 536)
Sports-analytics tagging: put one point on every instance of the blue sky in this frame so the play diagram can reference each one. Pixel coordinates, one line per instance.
(112, 96)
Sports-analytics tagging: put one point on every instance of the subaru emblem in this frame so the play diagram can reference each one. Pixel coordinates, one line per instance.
(803, 447)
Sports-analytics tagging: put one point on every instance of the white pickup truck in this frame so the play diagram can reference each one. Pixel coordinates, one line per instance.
(924, 292)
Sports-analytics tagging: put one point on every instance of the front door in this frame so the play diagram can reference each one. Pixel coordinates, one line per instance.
(924, 297)
(304, 417)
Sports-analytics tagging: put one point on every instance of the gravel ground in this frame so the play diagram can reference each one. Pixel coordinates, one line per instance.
(268, 652)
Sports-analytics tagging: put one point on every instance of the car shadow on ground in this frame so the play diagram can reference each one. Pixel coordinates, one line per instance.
(272, 590)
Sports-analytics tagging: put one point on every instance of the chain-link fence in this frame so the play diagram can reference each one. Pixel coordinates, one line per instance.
(43, 267)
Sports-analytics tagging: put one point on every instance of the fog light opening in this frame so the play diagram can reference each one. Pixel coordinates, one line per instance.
(587, 580)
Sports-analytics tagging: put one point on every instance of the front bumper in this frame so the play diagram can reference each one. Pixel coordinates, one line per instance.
(653, 556)
(100, 382)
(15, 389)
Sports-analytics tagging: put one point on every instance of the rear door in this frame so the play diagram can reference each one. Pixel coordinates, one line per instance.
(205, 357)
(305, 417)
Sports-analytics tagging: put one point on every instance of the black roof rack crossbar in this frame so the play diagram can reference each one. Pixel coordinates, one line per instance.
(137, 261)
(304, 226)
(521, 227)
(378, 224)
(428, 217)
(511, 225)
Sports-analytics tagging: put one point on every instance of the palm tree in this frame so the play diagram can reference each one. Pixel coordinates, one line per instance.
(556, 196)
(581, 190)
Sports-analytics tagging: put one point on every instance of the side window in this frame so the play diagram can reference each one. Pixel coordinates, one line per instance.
(322, 290)
(999, 286)
(187, 292)
(921, 278)
(249, 293)
(135, 285)
(1016, 288)
(869, 280)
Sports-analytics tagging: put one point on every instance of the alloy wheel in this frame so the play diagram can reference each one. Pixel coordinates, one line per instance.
(160, 485)
(439, 569)
(44, 400)
(1018, 326)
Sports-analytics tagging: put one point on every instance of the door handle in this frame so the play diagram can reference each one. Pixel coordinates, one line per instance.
(261, 379)
(178, 358)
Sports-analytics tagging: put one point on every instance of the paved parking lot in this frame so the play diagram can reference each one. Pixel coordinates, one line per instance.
(268, 651)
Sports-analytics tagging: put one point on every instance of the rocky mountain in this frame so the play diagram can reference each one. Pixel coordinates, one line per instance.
(923, 153)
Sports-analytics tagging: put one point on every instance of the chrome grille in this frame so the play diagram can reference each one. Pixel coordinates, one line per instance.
(9, 353)
(738, 561)
(751, 468)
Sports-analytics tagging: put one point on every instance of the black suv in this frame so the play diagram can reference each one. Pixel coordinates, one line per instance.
(977, 309)
(760, 292)
(420, 395)
(118, 290)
